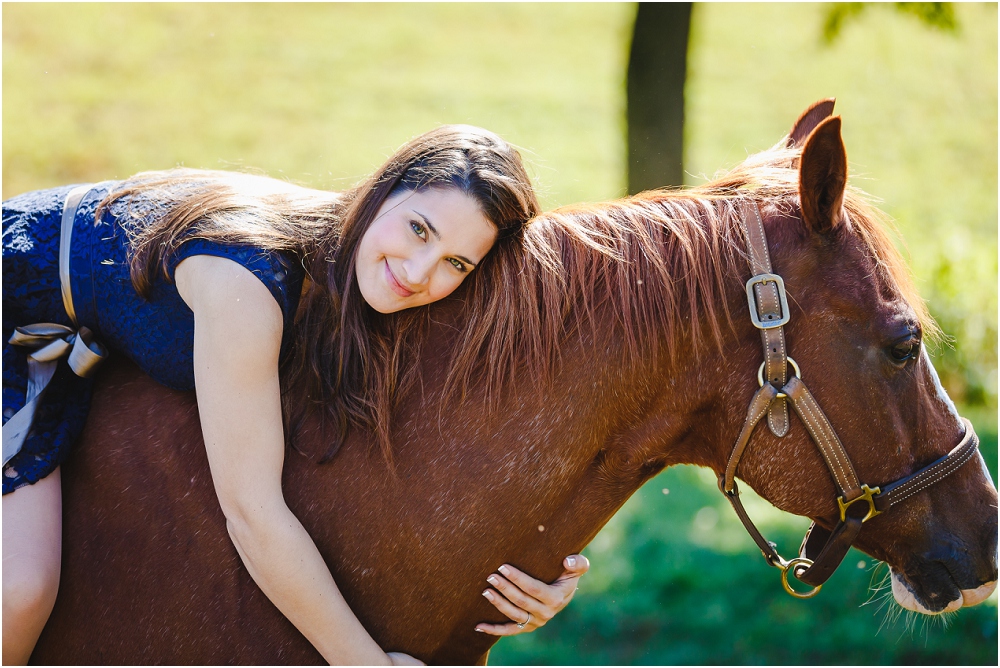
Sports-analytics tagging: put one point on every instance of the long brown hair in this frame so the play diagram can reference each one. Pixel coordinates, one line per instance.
(347, 362)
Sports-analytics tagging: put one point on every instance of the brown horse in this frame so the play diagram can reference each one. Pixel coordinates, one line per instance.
(638, 354)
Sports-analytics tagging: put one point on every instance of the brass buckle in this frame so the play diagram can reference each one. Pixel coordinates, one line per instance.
(794, 566)
(752, 301)
(868, 493)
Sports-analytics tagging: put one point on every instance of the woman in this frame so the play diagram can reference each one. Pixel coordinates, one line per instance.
(271, 301)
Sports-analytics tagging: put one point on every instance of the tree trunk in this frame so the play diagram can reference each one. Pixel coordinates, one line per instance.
(657, 69)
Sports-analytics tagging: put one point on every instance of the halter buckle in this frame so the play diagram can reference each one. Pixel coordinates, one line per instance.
(752, 301)
(867, 494)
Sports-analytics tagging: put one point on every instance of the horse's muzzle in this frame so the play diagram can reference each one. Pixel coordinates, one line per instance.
(945, 580)
(907, 599)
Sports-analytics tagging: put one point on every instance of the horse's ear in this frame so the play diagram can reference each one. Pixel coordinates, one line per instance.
(823, 177)
(810, 118)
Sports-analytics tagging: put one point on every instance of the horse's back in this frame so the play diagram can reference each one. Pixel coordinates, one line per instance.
(151, 576)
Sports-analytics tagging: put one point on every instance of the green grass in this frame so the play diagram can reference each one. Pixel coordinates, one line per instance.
(318, 93)
(322, 93)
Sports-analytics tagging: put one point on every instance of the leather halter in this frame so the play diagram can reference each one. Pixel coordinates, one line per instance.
(822, 549)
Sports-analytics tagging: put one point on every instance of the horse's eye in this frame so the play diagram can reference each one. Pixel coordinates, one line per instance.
(906, 349)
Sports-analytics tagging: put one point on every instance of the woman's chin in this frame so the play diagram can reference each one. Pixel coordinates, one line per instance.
(384, 304)
(377, 301)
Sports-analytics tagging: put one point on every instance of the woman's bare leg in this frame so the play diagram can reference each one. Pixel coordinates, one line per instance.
(32, 553)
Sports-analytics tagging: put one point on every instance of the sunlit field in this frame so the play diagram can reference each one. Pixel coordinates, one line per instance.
(322, 93)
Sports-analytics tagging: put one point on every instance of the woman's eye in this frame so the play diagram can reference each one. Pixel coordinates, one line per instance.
(905, 350)
(458, 265)
(418, 229)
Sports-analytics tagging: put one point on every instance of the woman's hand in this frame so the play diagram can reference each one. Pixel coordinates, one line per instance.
(528, 602)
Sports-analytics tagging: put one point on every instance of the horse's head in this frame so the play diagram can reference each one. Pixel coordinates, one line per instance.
(859, 334)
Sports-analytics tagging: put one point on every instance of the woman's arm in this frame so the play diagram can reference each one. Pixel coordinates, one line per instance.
(236, 342)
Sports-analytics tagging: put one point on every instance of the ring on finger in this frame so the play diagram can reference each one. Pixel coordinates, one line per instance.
(521, 625)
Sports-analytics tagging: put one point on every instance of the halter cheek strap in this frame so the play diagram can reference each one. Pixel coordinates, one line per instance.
(50, 342)
(822, 549)
(769, 313)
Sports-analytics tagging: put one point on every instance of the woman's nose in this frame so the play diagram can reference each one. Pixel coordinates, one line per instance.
(418, 269)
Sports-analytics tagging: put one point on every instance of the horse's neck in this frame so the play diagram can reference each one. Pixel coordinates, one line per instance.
(634, 421)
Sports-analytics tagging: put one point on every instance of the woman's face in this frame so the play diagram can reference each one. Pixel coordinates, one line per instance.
(420, 247)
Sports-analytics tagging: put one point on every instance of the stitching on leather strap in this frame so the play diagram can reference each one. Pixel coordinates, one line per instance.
(806, 414)
(760, 226)
(949, 466)
(834, 450)
(744, 438)
(779, 334)
(832, 443)
(823, 439)
(932, 470)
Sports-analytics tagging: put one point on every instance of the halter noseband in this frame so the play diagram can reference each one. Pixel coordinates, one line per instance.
(822, 550)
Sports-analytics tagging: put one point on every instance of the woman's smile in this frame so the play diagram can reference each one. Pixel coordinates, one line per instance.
(395, 284)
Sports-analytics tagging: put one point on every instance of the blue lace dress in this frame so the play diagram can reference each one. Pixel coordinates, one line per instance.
(157, 334)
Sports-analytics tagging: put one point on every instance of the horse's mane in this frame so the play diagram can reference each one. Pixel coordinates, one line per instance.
(659, 262)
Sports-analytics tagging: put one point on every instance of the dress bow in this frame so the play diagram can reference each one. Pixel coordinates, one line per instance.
(50, 343)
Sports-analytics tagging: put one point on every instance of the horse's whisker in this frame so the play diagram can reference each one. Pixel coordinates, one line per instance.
(875, 589)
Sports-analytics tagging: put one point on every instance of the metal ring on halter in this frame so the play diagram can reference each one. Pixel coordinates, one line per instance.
(793, 566)
(521, 625)
(760, 376)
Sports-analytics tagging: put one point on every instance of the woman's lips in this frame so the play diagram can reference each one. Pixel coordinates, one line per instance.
(394, 283)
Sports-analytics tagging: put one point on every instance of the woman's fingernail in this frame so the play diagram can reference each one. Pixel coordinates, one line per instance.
(488, 594)
(479, 630)
(503, 569)
(493, 580)
(570, 562)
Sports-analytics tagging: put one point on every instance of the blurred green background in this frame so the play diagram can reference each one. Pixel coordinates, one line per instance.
(322, 94)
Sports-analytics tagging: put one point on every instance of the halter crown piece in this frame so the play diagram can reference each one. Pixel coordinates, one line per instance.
(822, 549)
(50, 342)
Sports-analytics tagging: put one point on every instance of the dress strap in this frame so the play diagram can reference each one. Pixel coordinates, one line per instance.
(70, 206)
(51, 342)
